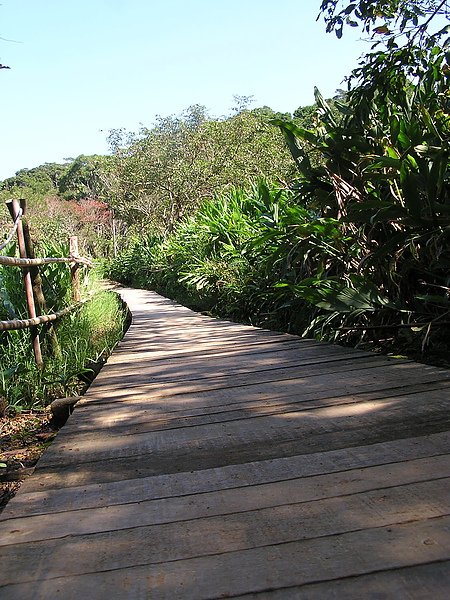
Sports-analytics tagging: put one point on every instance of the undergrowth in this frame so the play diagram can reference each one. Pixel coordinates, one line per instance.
(258, 256)
(85, 338)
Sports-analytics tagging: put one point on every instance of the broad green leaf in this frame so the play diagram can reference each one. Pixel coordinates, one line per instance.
(384, 161)
(434, 299)
(413, 202)
(296, 131)
(395, 128)
(392, 152)
(404, 140)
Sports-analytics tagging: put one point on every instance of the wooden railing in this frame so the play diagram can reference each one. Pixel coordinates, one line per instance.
(32, 280)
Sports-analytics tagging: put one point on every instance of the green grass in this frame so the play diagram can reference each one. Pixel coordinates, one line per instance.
(85, 337)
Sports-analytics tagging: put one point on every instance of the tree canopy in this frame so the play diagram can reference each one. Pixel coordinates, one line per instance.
(393, 18)
(409, 39)
(161, 174)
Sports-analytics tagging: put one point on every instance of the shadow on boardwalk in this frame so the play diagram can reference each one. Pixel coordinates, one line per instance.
(212, 460)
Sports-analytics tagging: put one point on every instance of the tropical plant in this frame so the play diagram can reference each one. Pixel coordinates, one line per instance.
(82, 178)
(240, 256)
(384, 176)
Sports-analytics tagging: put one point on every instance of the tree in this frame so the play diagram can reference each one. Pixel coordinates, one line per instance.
(63, 200)
(390, 18)
(161, 174)
(409, 37)
(42, 179)
(82, 178)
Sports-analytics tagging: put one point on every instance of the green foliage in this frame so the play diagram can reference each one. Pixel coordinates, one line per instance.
(77, 178)
(384, 174)
(241, 255)
(84, 337)
(164, 173)
(12, 301)
(359, 241)
(39, 180)
(83, 178)
(308, 117)
(405, 35)
(64, 200)
(55, 283)
(362, 239)
(390, 18)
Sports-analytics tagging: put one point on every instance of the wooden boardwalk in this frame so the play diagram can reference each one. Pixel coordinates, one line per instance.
(216, 460)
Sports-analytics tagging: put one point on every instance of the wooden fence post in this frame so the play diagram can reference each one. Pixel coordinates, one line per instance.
(38, 292)
(75, 269)
(13, 207)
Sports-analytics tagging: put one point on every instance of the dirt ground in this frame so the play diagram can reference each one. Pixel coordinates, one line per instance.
(23, 438)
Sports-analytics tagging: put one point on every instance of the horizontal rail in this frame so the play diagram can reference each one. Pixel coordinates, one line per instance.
(13, 230)
(34, 262)
(27, 323)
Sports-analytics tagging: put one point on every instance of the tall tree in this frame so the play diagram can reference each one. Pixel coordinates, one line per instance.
(161, 174)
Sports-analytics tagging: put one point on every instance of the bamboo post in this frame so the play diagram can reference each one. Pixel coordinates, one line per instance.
(75, 269)
(13, 207)
(38, 291)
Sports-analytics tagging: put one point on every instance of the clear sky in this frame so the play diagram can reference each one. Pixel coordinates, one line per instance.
(80, 68)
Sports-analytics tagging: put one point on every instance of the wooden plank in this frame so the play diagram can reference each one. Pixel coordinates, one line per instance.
(198, 354)
(235, 462)
(196, 457)
(181, 540)
(355, 380)
(60, 491)
(181, 342)
(420, 582)
(198, 369)
(108, 382)
(138, 466)
(263, 436)
(144, 512)
(151, 416)
(225, 347)
(349, 554)
(181, 321)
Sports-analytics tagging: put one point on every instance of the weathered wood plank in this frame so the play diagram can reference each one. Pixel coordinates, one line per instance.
(306, 521)
(309, 368)
(141, 418)
(241, 440)
(147, 460)
(420, 582)
(221, 368)
(144, 512)
(235, 573)
(229, 358)
(354, 382)
(59, 496)
(225, 348)
(236, 461)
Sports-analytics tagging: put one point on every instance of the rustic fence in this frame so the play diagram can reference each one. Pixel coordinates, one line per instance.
(30, 264)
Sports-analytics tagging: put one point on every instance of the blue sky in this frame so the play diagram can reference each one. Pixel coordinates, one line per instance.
(81, 68)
